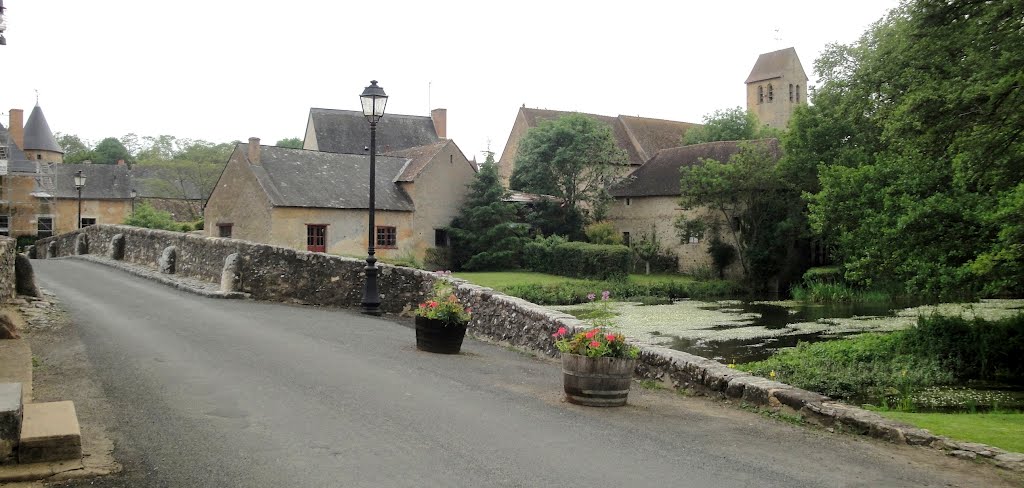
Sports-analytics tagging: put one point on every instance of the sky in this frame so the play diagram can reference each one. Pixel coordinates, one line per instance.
(224, 70)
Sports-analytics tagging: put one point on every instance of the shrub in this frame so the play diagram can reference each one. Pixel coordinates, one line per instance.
(602, 233)
(722, 254)
(25, 241)
(823, 274)
(147, 216)
(971, 349)
(537, 253)
(437, 258)
(665, 262)
(576, 292)
(583, 260)
(200, 224)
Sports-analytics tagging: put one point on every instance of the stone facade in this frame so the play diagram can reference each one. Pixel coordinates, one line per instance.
(641, 215)
(776, 86)
(7, 276)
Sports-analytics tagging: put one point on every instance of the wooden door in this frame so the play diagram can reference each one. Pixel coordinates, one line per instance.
(316, 238)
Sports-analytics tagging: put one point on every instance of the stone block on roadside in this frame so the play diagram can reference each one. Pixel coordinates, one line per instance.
(10, 421)
(25, 277)
(50, 432)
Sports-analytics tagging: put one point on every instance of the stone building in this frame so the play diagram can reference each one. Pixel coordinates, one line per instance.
(777, 84)
(640, 137)
(318, 200)
(648, 202)
(37, 191)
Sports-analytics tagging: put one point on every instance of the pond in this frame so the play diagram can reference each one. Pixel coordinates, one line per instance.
(737, 332)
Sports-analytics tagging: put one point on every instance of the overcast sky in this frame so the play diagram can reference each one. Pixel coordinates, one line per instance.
(222, 70)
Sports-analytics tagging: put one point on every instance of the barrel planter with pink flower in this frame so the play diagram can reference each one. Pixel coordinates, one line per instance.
(597, 367)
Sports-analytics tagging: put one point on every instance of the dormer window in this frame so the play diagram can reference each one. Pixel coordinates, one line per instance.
(771, 93)
(760, 94)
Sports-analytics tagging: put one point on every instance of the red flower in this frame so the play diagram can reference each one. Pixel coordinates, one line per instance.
(432, 304)
(591, 333)
(610, 337)
(595, 344)
(423, 305)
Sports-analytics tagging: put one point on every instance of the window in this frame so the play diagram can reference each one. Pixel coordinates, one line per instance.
(760, 94)
(628, 201)
(625, 238)
(44, 227)
(224, 230)
(440, 238)
(387, 236)
(39, 156)
(5, 225)
(316, 237)
(87, 221)
(771, 93)
(798, 94)
(790, 92)
(694, 240)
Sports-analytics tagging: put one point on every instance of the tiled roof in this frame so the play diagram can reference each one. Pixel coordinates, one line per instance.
(301, 178)
(772, 65)
(347, 131)
(38, 136)
(102, 181)
(660, 176)
(639, 137)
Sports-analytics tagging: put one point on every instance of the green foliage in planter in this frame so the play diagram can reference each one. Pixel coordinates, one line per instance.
(584, 260)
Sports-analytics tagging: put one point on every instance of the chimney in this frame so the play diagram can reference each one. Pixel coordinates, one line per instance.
(17, 128)
(254, 150)
(440, 118)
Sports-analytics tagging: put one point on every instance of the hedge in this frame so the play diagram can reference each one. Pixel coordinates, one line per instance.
(584, 260)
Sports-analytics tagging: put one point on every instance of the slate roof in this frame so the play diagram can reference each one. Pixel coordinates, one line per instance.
(102, 181)
(419, 157)
(317, 179)
(38, 136)
(14, 153)
(660, 176)
(640, 137)
(346, 131)
(771, 65)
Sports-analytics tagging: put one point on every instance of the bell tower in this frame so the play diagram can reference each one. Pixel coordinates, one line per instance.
(776, 86)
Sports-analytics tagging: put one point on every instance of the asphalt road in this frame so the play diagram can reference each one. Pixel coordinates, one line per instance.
(223, 393)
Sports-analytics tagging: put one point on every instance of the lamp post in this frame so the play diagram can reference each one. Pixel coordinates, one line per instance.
(134, 194)
(373, 99)
(79, 183)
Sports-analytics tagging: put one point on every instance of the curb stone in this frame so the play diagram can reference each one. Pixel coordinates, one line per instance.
(184, 284)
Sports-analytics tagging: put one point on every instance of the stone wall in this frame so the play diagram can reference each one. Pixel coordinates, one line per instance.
(7, 254)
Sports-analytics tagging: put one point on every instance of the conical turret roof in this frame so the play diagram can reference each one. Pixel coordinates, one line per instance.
(38, 136)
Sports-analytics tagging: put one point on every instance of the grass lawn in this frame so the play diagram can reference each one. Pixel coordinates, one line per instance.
(501, 279)
(1004, 430)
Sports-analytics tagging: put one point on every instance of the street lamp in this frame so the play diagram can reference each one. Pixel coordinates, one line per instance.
(79, 183)
(134, 194)
(374, 99)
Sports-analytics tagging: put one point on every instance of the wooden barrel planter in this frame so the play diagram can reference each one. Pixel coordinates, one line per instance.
(597, 382)
(433, 335)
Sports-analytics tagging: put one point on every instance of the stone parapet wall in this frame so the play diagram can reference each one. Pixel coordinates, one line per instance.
(7, 255)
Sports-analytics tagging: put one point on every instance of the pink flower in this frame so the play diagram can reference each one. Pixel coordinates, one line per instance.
(432, 304)
(610, 337)
(469, 310)
(590, 334)
(560, 333)
(605, 295)
(591, 296)
(423, 305)
(595, 344)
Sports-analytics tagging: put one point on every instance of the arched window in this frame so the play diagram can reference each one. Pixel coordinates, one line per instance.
(760, 94)
(791, 93)
(771, 93)
(798, 94)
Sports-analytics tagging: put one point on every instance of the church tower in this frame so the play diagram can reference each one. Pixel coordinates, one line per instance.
(775, 87)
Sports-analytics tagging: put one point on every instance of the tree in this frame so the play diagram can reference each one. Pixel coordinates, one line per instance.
(732, 124)
(485, 235)
(747, 199)
(573, 158)
(110, 151)
(292, 142)
(647, 248)
(190, 172)
(917, 135)
(146, 216)
(75, 149)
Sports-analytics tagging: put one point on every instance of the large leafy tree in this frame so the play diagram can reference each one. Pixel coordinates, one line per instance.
(110, 151)
(75, 149)
(183, 168)
(291, 142)
(748, 199)
(731, 124)
(573, 158)
(485, 235)
(917, 133)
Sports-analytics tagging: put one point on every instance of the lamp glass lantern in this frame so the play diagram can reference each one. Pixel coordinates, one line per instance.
(374, 99)
(79, 180)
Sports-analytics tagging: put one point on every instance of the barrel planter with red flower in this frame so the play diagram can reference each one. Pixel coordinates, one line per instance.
(441, 321)
(433, 335)
(597, 382)
(597, 366)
